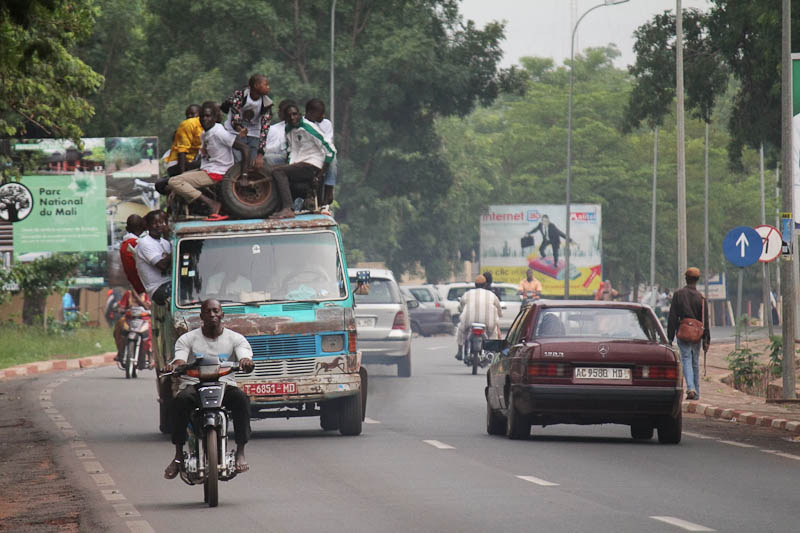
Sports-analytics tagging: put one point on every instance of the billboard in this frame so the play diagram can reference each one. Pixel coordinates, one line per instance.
(515, 238)
(76, 198)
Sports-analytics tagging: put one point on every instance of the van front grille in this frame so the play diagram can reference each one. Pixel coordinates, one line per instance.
(283, 346)
(277, 368)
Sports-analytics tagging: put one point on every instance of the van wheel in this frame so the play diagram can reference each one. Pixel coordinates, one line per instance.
(495, 422)
(404, 366)
(350, 415)
(257, 200)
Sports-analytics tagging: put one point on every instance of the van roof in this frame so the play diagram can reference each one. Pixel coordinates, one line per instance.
(233, 225)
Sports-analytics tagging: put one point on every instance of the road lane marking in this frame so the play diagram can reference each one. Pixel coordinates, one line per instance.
(440, 445)
(781, 454)
(112, 494)
(368, 420)
(125, 510)
(697, 435)
(683, 524)
(739, 444)
(140, 526)
(538, 481)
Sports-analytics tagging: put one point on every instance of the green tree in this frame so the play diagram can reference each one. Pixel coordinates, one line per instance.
(42, 84)
(38, 279)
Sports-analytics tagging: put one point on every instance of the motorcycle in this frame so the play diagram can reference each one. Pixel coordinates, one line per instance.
(208, 459)
(474, 353)
(136, 329)
(529, 297)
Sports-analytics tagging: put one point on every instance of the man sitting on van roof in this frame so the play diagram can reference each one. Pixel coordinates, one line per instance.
(309, 156)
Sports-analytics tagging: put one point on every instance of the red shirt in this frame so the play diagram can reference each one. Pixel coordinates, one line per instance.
(129, 263)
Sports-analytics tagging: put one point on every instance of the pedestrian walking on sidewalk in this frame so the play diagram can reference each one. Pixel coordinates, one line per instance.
(688, 303)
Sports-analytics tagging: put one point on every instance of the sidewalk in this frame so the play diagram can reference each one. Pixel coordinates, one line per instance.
(43, 367)
(718, 400)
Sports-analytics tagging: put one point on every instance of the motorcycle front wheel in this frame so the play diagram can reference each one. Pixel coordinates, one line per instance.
(130, 360)
(212, 471)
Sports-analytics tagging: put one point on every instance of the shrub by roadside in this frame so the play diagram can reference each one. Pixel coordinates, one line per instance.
(27, 344)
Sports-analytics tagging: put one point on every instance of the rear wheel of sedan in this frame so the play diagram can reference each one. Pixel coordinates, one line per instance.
(642, 431)
(404, 366)
(670, 429)
(495, 422)
(517, 426)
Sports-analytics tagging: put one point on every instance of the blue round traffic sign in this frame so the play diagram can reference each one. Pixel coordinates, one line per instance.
(742, 246)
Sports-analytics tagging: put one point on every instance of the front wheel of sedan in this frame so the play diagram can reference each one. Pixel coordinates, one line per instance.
(670, 429)
(517, 426)
(495, 422)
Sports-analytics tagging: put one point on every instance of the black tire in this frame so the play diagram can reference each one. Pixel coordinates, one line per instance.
(670, 429)
(350, 415)
(329, 415)
(142, 359)
(641, 431)
(475, 363)
(495, 422)
(517, 426)
(404, 366)
(254, 201)
(212, 476)
(130, 367)
(415, 328)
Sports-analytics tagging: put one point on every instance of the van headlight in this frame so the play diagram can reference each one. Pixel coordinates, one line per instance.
(332, 343)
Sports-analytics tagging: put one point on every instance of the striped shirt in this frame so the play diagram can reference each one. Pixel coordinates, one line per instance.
(480, 305)
(306, 144)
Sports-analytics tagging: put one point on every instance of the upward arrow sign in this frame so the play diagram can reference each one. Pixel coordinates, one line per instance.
(742, 243)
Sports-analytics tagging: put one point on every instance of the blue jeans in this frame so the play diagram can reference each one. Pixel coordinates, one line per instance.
(330, 177)
(252, 143)
(690, 361)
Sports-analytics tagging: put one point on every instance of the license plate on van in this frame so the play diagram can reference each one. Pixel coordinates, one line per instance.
(365, 322)
(269, 389)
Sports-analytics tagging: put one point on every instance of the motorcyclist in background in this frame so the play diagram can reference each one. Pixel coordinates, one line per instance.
(478, 305)
(530, 288)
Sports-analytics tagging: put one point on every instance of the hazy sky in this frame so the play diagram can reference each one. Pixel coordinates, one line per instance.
(542, 27)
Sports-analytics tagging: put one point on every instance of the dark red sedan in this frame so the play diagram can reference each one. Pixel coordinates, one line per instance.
(585, 362)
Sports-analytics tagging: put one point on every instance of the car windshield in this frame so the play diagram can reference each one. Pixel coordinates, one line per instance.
(507, 294)
(381, 291)
(613, 323)
(457, 292)
(253, 269)
(423, 295)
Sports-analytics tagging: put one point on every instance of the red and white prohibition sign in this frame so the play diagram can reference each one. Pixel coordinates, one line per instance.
(771, 242)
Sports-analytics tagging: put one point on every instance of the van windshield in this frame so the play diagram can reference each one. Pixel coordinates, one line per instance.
(252, 269)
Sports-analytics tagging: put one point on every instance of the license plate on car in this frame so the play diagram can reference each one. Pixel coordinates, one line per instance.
(269, 389)
(602, 373)
(365, 322)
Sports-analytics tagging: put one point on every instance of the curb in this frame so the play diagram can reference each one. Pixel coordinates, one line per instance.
(742, 417)
(45, 367)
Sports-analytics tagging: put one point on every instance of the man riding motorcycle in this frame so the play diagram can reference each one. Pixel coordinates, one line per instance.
(210, 339)
(478, 305)
(530, 288)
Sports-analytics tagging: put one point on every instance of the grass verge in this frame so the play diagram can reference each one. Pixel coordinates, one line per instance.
(27, 344)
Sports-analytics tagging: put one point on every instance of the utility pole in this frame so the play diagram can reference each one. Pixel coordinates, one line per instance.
(681, 149)
(333, 43)
(787, 263)
(653, 292)
(765, 281)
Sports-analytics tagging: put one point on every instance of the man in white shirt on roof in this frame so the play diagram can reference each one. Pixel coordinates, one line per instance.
(478, 305)
(217, 158)
(275, 151)
(154, 258)
(315, 112)
(309, 156)
(249, 116)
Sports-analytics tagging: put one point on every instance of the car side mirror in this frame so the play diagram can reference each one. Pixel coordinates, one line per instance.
(412, 304)
(494, 345)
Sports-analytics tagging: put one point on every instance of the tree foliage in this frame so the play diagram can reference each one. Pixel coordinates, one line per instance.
(42, 84)
(38, 279)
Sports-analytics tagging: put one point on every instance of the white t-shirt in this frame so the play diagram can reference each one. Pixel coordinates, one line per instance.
(276, 139)
(218, 144)
(326, 127)
(229, 346)
(254, 124)
(150, 251)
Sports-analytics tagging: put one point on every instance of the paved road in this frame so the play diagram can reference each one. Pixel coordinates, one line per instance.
(423, 463)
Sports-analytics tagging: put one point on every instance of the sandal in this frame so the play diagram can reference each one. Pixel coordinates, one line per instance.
(216, 217)
(173, 469)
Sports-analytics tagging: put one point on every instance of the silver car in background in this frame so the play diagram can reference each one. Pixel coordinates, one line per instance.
(382, 321)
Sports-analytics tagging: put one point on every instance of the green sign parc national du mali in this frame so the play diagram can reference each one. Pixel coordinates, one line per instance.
(68, 214)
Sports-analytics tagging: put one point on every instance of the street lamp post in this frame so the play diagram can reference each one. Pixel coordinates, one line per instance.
(333, 34)
(569, 135)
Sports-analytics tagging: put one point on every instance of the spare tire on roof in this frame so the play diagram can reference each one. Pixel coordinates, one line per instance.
(258, 199)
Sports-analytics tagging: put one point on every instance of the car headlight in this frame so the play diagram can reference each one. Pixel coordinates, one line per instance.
(332, 343)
